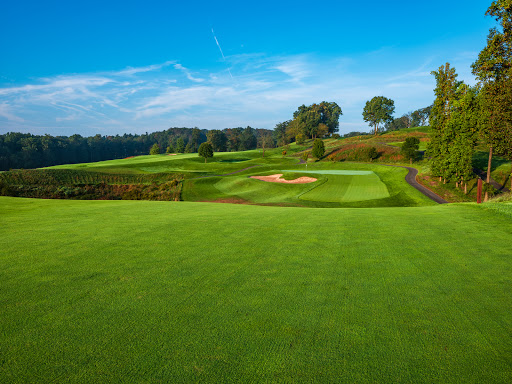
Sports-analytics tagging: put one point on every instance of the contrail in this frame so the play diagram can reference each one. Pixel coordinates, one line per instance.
(220, 49)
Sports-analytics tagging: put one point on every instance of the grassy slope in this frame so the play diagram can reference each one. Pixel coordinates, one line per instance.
(134, 291)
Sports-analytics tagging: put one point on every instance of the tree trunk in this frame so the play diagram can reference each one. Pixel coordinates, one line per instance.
(465, 188)
(410, 160)
(205, 159)
(489, 163)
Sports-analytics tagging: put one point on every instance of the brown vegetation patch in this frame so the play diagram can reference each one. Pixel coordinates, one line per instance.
(277, 179)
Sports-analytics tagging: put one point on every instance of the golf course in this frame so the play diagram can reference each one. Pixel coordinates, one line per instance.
(354, 277)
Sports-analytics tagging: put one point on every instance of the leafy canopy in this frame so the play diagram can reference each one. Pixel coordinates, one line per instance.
(205, 151)
(378, 110)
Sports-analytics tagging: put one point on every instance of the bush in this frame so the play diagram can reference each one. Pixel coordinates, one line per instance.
(155, 149)
(300, 138)
(318, 148)
(371, 153)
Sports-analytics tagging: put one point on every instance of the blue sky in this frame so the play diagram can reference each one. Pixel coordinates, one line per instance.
(140, 66)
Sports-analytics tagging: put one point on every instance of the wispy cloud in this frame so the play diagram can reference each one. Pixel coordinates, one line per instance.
(266, 90)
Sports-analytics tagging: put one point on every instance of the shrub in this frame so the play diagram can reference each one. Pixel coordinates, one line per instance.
(155, 149)
(318, 148)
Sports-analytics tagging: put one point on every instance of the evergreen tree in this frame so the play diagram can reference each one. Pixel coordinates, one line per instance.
(493, 69)
(318, 148)
(441, 136)
(410, 147)
(180, 145)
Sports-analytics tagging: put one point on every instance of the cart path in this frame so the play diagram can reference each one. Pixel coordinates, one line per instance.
(410, 178)
(494, 183)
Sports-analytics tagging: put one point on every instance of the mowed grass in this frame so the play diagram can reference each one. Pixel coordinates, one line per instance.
(338, 185)
(348, 188)
(137, 291)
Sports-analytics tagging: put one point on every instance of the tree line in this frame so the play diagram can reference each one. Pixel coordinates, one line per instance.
(462, 115)
(24, 150)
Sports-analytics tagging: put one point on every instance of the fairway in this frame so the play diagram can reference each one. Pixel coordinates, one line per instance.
(138, 291)
(348, 187)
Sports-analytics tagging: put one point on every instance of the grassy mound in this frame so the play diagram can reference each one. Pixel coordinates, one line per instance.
(135, 291)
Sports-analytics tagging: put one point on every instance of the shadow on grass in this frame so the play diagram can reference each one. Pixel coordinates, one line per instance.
(481, 158)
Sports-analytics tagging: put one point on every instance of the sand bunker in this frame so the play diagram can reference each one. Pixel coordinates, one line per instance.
(277, 179)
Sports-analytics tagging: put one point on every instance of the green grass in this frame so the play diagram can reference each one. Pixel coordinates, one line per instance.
(190, 164)
(422, 145)
(348, 188)
(339, 185)
(137, 291)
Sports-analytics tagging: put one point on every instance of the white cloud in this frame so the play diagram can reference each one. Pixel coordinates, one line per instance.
(5, 112)
(266, 90)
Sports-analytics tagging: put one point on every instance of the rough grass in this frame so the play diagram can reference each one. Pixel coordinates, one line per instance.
(99, 291)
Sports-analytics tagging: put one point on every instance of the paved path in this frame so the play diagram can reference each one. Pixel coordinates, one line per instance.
(411, 180)
(494, 183)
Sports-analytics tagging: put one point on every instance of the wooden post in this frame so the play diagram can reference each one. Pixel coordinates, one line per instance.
(479, 191)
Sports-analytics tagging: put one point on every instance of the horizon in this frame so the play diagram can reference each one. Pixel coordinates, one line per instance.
(121, 68)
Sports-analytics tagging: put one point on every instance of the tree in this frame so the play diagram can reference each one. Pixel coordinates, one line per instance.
(180, 145)
(378, 110)
(169, 149)
(318, 148)
(300, 138)
(454, 126)
(410, 147)
(217, 139)
(265, 140)
(493, 69)
(441, 136)
(205, 150)
(280, 133)
(316, 120)
(155, 149)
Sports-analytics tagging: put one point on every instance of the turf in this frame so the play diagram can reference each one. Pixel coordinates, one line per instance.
(339, 185)
(348, 188)
(136, 291)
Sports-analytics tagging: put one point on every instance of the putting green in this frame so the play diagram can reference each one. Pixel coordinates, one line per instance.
(348, 188)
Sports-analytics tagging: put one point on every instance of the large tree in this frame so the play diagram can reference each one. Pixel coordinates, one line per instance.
(316, 120)
(437, 149)
(377, 111)
(493, 69)
(453, 122)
